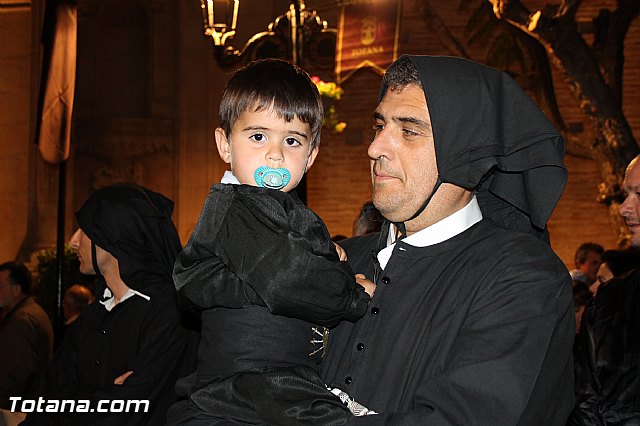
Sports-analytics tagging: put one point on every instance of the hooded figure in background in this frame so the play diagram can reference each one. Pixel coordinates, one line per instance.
(129, 344)
(472, 318)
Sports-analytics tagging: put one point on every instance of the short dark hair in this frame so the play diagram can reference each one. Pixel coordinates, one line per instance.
(584, 249)
(621, 261)
(400, 74)
(19, 274)
(273, 84)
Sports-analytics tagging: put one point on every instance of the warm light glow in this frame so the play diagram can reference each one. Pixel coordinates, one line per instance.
(220, 19)
(533, 20)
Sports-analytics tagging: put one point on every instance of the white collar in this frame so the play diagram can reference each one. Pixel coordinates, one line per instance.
(229, 178)
(110, 303)
(440, 231)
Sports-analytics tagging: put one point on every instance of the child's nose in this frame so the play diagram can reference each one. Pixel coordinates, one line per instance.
(275, 154)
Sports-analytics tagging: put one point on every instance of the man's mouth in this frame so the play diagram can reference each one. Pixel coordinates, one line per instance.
(632, 225)
(382, 175)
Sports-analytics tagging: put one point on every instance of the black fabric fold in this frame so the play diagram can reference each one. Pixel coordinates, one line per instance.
(491, 137)
(134, 225)
(257, 246)
(263, 398)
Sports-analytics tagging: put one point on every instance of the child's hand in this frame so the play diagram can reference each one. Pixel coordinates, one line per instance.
(369, 286)
(341, 253)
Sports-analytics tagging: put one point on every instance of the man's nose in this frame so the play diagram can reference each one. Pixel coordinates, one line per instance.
(625, 208)
(379, 146)
(74, 241)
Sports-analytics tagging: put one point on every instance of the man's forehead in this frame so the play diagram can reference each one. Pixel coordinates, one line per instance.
(402, 101)
(632, 175)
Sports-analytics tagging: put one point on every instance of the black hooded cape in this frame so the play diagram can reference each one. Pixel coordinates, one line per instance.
(147, 337)
(477, 329)
(491, 137)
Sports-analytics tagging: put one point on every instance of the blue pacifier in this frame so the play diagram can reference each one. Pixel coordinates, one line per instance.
(266, 177)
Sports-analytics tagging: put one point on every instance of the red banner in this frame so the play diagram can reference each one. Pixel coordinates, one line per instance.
(368, 36)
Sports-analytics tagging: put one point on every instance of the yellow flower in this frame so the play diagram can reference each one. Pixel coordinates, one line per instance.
(328, 89)
(332, 92)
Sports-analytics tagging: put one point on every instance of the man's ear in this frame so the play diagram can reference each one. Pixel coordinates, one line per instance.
(223, 144)
(312, 157)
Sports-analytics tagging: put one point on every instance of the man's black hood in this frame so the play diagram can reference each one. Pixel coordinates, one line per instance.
(134, 225)
(491, 137)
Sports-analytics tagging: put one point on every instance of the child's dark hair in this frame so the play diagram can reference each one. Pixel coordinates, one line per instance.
(273, 84)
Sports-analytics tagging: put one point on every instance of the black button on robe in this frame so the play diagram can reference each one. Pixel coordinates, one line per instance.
(476, 330)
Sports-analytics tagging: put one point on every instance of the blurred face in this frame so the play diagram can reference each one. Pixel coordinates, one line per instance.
(402, 154)
(10, 293)
(630, 208)
(85, 256)
(591, 265)
(84, 253)
(604, 274)
(261, 138)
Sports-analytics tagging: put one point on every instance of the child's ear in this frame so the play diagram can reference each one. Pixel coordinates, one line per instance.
(312, 157)
(223, 144)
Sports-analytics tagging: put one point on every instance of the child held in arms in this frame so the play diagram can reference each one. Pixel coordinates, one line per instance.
(261, 267)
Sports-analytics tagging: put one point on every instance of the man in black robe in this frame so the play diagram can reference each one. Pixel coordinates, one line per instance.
(472, 318)
(129, 345)
(608, 372)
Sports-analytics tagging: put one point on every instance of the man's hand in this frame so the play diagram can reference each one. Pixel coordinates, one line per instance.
(120, 379)
(341, 253)
(368, 285)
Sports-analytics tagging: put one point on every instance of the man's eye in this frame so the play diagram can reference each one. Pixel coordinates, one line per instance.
(258, 137)
(291, 142)
(378, 128)
(408, 132)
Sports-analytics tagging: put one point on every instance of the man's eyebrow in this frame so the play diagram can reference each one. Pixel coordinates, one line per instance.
(413, 120)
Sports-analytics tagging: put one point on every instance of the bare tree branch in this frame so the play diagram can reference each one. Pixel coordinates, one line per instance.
(594, 74)
(431, 17)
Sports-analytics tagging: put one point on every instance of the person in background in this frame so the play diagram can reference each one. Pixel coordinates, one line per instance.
(26, 338)
(76, 299)
(587, 259)
(615, 263)
(608, 390)
(130, 344)
(368, 220)
(471, 321)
